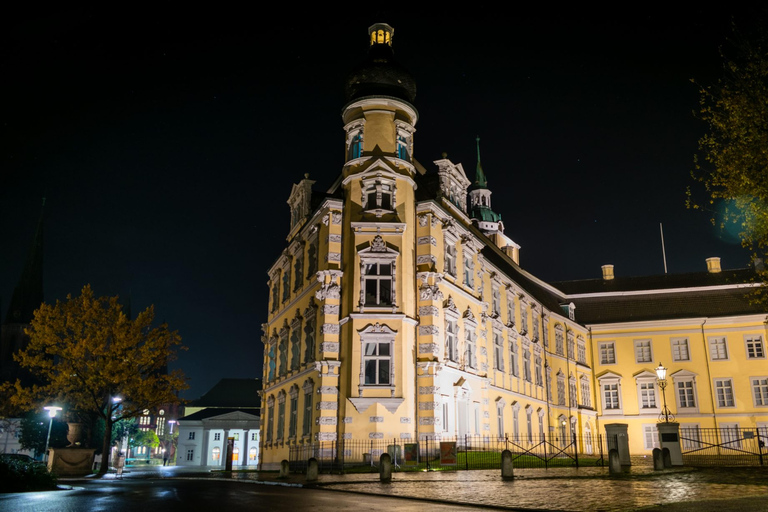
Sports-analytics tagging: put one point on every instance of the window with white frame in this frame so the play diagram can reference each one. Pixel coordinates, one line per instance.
(730, 435)
(560, 389)
(724, 392)
(377, 274)
(470, 346)
(610, 391)
(469, 267)
(572, 392)
(523, 319)
(451, 340)
(571, 344)
(377, 366)
(541, 423)
(529, 423)
(306, 427)
(690, 436)
(191, 436)
(651, 437)
(680, 350)
(607, 352)
(450, 257)
(535, 325)
(217, 436)
(516, 421)
(643, 352)
(500, 404)
(378, 195)
(686, 393)
(581, 350)
(755, 349)
(760, 390)
(514, 364)
(559, 340)
(537, 371)
(718, 348)
(496, 301)
(586, 394)
(498, 351)
(510, 308)
(545, 333)
(527, 363)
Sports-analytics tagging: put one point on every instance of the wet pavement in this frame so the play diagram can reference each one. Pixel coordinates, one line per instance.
(562, 489)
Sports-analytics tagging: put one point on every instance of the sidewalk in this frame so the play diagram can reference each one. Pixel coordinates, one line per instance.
(593, 489)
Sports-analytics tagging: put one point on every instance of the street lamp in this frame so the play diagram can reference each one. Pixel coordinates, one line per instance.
(52, 410)
(661, 379)
(171, 422)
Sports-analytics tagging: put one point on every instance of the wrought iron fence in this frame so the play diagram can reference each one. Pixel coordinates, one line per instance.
(440, 453)
(724, 446)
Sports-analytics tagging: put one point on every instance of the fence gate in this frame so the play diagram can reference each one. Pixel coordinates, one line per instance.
(723, 446)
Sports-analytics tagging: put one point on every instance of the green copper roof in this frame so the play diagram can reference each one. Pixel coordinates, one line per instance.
(484, 213)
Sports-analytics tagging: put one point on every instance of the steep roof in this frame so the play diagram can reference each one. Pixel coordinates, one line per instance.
(213, 412)
(232, 393)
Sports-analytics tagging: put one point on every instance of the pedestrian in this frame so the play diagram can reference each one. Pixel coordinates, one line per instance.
(165, 459)
(120, 465)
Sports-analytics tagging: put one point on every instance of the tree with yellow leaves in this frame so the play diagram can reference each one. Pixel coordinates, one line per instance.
(87, 353)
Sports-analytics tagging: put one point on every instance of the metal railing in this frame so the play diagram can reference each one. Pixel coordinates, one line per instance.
(723, 446)
(441, 453)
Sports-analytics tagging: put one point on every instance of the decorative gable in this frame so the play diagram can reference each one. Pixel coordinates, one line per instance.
(300, 200)
(453, 183)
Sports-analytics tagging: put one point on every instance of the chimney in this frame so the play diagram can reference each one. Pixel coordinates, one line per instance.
(713, 265)
(607, 272)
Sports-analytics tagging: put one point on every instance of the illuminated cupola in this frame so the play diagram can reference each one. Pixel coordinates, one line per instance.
(480, 212)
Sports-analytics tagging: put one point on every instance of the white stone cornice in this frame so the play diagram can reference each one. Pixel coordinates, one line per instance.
(660, 291)
(381, 228)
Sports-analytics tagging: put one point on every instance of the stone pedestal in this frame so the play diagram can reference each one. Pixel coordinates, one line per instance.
(71, 461)
(669, 436)
(616, 436)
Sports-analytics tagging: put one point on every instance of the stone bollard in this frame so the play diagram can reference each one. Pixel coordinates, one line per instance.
(312, 470)
(666, 457)
(614, 462)
(507, 468)
(385, 467)
(284, 469)
(658, 461)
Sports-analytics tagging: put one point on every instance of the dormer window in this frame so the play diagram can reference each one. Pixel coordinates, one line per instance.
(378, 196)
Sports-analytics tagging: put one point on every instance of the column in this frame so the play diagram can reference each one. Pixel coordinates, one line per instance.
(223, 458)
(204, 456)
(246, 456)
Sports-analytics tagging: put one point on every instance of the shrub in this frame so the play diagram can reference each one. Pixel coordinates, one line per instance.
(21, 476)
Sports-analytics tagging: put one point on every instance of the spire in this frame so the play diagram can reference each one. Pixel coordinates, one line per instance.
(480, 181)
(28, 294)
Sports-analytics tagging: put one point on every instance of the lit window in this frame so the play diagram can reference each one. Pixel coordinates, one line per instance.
(724, 392)
(680, 349)
(651, 437)
(252, 453)
(718, 348)
(607, 353)
(755, 348)
(760, 390)
(216, 454)
(611, 395)
(643, 351)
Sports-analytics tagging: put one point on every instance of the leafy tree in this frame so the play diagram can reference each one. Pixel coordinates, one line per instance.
(732, 162)
(144, 438)
(33, 432)
(86, 352)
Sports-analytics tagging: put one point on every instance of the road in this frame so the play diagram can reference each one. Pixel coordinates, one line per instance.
(208, 495)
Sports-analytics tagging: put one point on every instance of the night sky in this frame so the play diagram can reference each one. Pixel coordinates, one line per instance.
(166, 143)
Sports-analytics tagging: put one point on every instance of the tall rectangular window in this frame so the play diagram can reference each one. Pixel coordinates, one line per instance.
(527, 364)
(571, 345)
(298, 271)
(378, 284)
(307, 423)
(537, 371)
(191, 454)
(510, 308)
(469, 269)
(607, 353)
(293, 423)
(523, 319)
(760, 390)
(573, 396)
(500, 418)
(513, 362)
(586, 399)
(611, 395)
(376, 361)
(718, 348)
(755, 348)
(270, 421)
(651, 435)
(498, 351)
(724, 392)
(560, 390)
(581, 354)
(451, 341)
(281, 419)
(286, 283)
(643, 351)
(559, 349)
(680, 349)
(647, 395)
(685, 394)
(450, 258)
(496, 301)
(470, 356)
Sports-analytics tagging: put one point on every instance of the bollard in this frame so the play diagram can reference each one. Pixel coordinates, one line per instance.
(284, 469)
(385, 468)
(507, 468)
(312, 470)
(658, 461)
(614, 462)
(666, 457)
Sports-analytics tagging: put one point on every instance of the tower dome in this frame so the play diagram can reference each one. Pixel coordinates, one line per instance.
(379, 74)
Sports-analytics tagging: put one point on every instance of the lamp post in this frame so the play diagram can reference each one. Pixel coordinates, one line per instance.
(661, 379)
(52, 410)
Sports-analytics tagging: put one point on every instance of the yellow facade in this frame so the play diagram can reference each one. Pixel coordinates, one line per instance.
(398, 311)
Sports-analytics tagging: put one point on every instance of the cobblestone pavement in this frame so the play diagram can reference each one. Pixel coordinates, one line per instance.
(560, 489)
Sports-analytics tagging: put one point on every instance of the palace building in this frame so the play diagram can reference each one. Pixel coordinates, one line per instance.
(398, 310)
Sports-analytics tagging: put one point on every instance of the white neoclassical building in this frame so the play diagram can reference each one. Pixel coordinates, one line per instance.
(229, 410)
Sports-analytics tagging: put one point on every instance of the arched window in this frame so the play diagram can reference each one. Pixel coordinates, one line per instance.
(216, 454)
